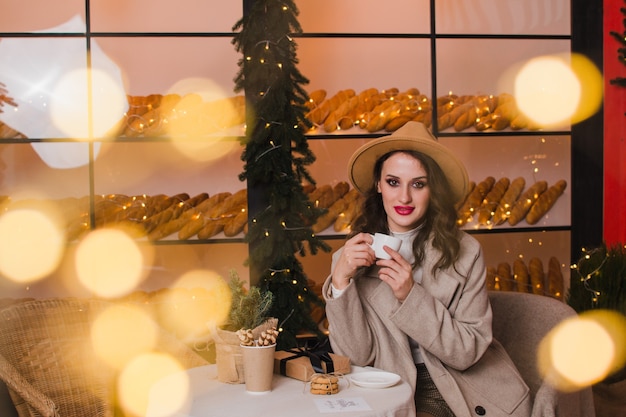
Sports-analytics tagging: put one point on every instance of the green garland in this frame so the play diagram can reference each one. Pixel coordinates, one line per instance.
(276, 157)
(621, 51)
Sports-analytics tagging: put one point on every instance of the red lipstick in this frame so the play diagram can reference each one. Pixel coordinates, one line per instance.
(404, 210)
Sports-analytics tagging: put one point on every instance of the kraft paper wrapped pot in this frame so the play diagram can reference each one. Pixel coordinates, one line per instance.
(228, 352)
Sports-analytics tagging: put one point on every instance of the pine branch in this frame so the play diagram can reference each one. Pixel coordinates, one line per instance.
(276, 160)
(249, 308)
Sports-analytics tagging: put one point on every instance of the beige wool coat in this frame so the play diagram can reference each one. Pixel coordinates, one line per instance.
(449, 315)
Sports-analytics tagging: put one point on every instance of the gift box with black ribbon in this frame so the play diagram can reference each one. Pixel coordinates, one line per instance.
(302, 363)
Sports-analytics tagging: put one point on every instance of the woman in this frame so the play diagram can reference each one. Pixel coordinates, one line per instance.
(423, 314)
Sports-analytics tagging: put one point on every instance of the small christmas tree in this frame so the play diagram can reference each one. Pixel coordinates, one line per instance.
(276, 156)
(249, 308)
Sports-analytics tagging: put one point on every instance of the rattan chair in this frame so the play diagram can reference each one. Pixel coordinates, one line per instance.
(47, 362)
(520, 322)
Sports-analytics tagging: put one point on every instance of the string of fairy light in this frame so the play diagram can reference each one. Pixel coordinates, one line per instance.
(268, 124)
(595, 294)
(276, 157)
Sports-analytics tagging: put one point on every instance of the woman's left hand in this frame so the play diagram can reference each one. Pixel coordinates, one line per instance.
(397, 273)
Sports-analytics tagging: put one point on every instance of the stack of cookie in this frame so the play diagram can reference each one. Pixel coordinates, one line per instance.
(322, 384)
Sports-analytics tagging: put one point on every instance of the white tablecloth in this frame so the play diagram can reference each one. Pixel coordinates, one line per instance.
(289, 397)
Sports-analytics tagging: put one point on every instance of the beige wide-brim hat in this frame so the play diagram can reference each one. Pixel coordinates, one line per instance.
(412, 136)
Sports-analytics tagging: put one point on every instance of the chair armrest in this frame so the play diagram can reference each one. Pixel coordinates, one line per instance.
(545, 402)
(32, 396)
(550, 402)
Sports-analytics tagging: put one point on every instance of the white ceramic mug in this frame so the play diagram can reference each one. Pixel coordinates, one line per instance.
(380, 240)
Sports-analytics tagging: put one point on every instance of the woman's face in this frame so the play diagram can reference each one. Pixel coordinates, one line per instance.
(405, 191)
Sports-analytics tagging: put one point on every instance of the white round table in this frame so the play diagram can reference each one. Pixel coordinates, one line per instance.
(289, 397)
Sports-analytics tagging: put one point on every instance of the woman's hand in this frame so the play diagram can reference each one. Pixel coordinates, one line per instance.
(356, 253)
(397, 273)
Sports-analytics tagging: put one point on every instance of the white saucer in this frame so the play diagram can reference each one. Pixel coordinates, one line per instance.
(374, 379)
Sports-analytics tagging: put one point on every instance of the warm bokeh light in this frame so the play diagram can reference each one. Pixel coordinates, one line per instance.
(201, 118)
(547, 91)
(70, 110)
(583, 350)
(110, 263)
(199, 300)
(122, 332)
(207, 89)
(592, 84)
(153, 380)
(615, 325)
(32, 242)
(555, 90)
(577, 342)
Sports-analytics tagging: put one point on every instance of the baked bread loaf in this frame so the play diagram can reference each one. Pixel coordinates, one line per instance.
(193, 225)
(322, 196)
(344, 220)
(504, 277)
(181, 215)
(342, 196)
(155, 204)
(545, 202)
(155, 114)
(521, 276)
(332, 121)
(525, 202)
(371, 109)
(212, 227)
(318, 115)
(166, 229)
(331, 214)
(397, 122)
(236, 224)
(492, 283)
(315, 98)
(380, 116)
(368, 99)
(470, 188)
(491, 200)
(503, 210)
(199, 215)
(340, 189)
(230, 205)
(556, 284)
(221, 217)
(474, 200)
(451, 111)
(537, 276)
(161, 217)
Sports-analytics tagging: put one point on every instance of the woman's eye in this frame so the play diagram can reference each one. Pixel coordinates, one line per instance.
(420, 184)
(392, 182)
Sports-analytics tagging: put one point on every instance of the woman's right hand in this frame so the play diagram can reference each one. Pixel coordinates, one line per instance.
(356, 253)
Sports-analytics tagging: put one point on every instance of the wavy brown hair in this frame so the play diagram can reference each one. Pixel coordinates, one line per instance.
(439, 220)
